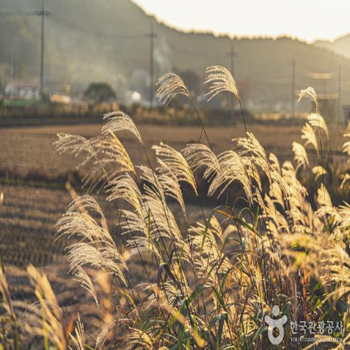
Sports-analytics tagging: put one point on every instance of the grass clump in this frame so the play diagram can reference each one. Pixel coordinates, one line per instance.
(209, 284)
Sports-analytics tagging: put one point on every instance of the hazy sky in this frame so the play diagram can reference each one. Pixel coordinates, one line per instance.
(305, 19)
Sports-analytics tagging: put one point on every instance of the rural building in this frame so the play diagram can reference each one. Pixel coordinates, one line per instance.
(22, 90)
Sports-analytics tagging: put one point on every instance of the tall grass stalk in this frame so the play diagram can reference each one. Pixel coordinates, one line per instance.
(206, 284)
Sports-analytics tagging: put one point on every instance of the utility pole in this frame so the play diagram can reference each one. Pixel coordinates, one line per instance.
(339, 94)
(11, 74)
(42, 51)
(41, 13)
(152, 35)
(293, 87)
(232, 55)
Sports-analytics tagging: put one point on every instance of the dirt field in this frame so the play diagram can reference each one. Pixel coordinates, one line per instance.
(25, 150)
(28, 215)
(32, 212)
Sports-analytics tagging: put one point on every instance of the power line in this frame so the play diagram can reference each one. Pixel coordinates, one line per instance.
(195, 53)
(88, 31)
(23, 13)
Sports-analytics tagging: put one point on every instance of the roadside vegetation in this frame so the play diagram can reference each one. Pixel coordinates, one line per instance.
(267, 241)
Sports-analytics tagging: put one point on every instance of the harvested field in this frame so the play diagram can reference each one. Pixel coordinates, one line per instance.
(31, 206)
(30, 150)
(29, 214)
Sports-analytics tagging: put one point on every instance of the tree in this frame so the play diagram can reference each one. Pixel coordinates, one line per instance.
(100, 92)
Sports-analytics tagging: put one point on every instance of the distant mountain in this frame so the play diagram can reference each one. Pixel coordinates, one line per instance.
(340, 46)
(107, 40)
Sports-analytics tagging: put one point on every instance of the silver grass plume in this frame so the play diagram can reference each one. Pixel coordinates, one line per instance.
(272, 219)
(104, 257)
(170, 184)
(346, 145)
(207, 252)
(142, 232)
(6, 302)
(119, 121)
(250, 148)
(323, 197)
(103, 335)
(105, 156)
(169, 86)
(231, 169)
(96, 247)
(156, 220)
(317, 121)
(325, 204)
(125, 188)
(163, 222)
(276, 194)
(78, 221)
(72, 143)
(221, 80)
(309, 93)
(345, 179)
(152, 184)
(141, 340)
(344, 213)
(49, 311)
(300, 155)
(275, 164)
(85, 281)
(199, 155)
(110, 150)
(309, 135)
(78, 339)
(175, 161)
(318, 171)
(295, 195)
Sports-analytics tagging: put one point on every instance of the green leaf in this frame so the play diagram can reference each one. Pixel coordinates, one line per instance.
(223, 318)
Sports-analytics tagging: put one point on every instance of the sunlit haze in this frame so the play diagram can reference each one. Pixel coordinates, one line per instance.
(306, 19)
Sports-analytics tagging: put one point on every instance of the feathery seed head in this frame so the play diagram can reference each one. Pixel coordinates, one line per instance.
(300, 155)
(309, 93)
(220, 80)
(309, 135)
(169, 86)
(317, 121)
(318, 171)
(175, 161)
(119, 121)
